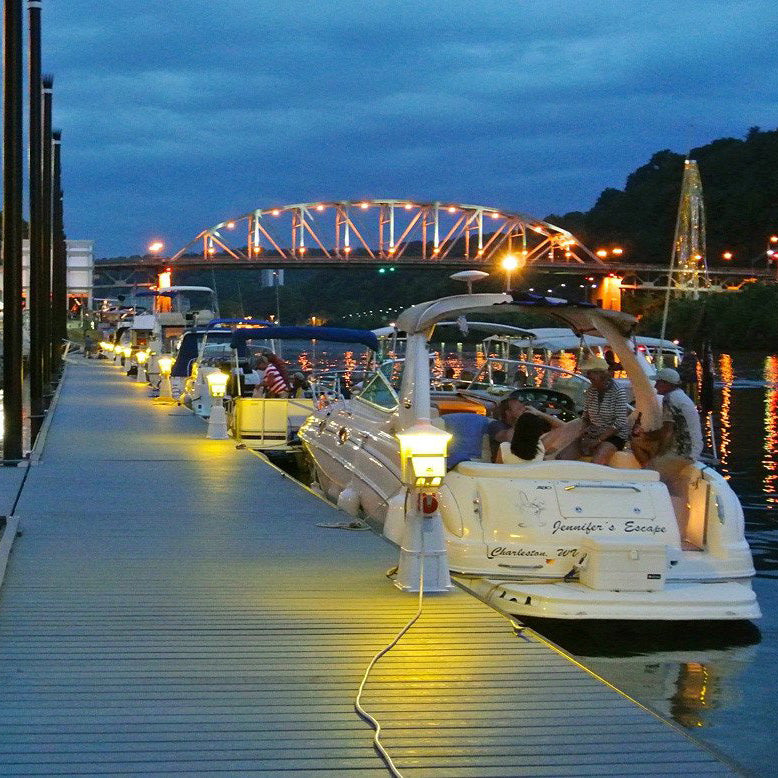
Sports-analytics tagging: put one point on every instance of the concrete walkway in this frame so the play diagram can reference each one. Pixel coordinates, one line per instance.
(172, 607)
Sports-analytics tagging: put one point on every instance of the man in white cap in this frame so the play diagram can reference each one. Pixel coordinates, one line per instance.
(681, 433)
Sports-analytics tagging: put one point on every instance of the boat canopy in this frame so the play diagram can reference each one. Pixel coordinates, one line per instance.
(331, 334)
(189, 348)
(246, 321)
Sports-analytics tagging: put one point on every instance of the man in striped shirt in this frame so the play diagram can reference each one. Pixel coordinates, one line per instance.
(273, 383)
(605, 426)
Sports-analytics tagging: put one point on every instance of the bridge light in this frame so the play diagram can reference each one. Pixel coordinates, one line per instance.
(211, 250)
(770, 252)
(230, 225)
(774, 239)
(364, 206)
(408, 206)
(451, 209)
(725, 255)
(156, 247)
(320, 207)
(618, 251)
(347, 249)
(495, 215)
(391, 249)
(602, 253)
(301, 250)
(275, 212)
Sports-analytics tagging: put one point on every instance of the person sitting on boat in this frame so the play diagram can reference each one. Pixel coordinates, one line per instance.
(275, 382)
(605, 427)
(467, 436)
(505, 415)
(526, 445)
(300, 386)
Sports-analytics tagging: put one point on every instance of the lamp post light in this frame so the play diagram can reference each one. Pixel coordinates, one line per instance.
(217, 421)
(141, 358)
(423, 459)
(509, 264)
(165, 388)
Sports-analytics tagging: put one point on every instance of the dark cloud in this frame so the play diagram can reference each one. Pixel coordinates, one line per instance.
(179, 115)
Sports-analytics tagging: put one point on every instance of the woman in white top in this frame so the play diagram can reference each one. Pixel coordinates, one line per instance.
(526, 444)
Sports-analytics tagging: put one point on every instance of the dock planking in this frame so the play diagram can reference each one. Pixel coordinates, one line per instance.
(172, 608)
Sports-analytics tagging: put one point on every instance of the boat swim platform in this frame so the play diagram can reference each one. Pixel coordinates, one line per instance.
(172, 607)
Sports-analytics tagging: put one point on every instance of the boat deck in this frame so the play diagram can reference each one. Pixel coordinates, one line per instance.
(172, 607)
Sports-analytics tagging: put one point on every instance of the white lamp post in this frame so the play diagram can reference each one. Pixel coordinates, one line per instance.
(423, 459)
(141, 358)
(165, 388)
(217, 421)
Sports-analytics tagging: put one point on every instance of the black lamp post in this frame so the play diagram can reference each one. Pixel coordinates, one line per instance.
(36, 299)
(12, 231)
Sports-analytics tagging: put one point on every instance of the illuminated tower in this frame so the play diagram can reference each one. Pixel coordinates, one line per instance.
(688, 269)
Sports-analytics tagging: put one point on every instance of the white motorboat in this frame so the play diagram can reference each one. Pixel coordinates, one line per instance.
(173, 311)
(557, 539)
(271, 424)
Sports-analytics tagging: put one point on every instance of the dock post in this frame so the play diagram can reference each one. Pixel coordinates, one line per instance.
(423, 538)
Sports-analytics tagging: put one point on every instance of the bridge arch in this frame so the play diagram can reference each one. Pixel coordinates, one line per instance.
(388, 229)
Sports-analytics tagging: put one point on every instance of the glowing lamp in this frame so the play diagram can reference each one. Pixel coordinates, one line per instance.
(727, 255)
(510, 263)
(105, 346)
(217, 383)
(774, 239)
(165, 365)
(141, 357)
(423, 454)
(602, 253)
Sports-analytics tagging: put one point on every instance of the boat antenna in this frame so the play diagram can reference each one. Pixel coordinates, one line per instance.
(469, 277)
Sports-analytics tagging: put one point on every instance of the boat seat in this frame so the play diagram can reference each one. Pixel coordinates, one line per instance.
(555, 469)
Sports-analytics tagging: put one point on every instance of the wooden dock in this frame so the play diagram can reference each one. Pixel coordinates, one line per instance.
(172, 607)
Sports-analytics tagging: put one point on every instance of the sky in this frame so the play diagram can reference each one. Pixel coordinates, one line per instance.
(176, 116)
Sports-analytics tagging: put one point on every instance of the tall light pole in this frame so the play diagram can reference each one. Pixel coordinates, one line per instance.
(13, 155)
(509, 264)
(47, 232)
(36, 300)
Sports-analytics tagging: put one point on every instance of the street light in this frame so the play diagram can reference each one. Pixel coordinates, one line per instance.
(155, 247)
(509, 264)
(727, 255)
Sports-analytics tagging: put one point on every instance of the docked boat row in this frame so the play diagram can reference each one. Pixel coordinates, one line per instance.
(551, 538)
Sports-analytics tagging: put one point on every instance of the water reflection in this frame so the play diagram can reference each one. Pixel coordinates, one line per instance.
(771, 429)
(727, 377)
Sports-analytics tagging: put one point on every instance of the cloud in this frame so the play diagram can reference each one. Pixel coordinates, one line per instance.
(174, 114)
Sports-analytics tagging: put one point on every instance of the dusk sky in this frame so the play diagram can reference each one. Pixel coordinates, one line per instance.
(179, 115)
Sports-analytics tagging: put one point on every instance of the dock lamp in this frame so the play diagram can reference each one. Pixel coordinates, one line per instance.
(141, 358)
(217, 421)
(165, 388)
(423, 460)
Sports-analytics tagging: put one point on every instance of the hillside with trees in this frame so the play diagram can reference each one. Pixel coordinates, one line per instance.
(740, 188)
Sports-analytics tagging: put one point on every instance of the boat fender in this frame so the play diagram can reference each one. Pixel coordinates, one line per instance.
(348, 500)
(394, 523)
